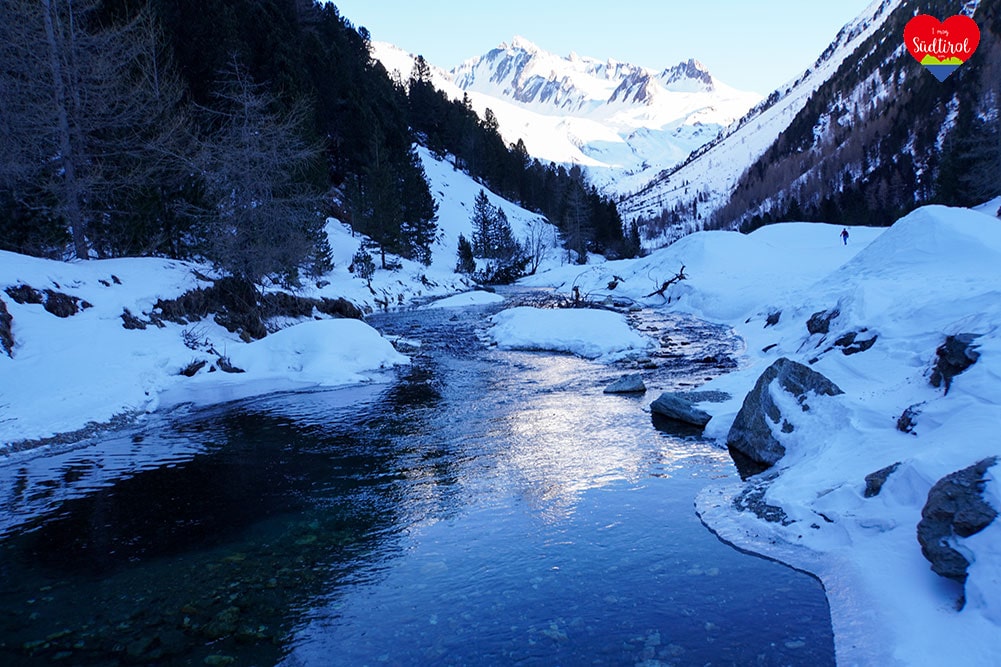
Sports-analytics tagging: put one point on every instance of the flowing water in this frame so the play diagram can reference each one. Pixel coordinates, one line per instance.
(480, 507)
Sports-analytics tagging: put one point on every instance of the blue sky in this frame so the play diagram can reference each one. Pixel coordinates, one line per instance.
(748, 45)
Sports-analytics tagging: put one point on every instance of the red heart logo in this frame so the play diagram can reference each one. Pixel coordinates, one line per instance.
(941, 46)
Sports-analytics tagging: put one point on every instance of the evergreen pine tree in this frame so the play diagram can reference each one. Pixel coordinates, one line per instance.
(483, 221)
(465, 264)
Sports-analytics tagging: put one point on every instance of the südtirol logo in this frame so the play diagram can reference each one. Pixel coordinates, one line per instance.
(941, 46)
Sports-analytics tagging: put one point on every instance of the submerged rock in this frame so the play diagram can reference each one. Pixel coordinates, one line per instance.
(751, 442)
(627, 384)
(673, 406)
(955, 508)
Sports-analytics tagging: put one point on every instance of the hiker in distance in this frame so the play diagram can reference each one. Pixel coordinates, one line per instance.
(844, 235)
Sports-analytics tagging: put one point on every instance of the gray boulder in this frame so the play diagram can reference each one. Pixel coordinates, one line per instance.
(675, 407)
(955, 508)
(752, 444)
(627, 384)
(953, 357)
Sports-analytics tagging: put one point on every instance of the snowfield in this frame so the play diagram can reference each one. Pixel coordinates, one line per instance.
(588, 333)
(933, 273)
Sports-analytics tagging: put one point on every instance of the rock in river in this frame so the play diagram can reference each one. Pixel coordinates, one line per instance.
(627, 384)
(675, 407)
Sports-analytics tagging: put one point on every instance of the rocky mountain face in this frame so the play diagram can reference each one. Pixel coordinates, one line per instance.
(526, 74)
(686, 197)
(883, 135)
(863, 137)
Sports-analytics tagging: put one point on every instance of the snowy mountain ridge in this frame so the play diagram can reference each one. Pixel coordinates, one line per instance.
(577, 85)
(711, 172)
(614, 118)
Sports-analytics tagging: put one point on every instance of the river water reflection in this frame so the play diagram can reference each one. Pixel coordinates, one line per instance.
(482, 508)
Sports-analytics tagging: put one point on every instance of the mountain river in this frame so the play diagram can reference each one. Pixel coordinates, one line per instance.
(478, 507)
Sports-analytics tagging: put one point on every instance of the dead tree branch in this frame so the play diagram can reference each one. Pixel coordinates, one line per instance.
(663, 288)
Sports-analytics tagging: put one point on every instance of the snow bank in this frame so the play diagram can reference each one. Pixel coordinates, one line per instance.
(68, 372)
(728, 274)
(933, 273)
(587, 333)
(477, 298)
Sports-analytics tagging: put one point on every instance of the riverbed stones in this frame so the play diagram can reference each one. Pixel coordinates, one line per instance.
(953, 357)
(751, 440)
(955, 508)
(627, 384)
(674, 406)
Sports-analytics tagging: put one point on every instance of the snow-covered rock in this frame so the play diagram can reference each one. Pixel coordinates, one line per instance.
(588, 333)
(466, 299)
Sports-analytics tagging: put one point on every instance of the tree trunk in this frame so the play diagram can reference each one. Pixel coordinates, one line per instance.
(72, 209)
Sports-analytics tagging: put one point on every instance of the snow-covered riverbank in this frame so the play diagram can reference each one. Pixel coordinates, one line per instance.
(67, 376)
(932, 274)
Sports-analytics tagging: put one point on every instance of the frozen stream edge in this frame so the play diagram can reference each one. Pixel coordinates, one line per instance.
(852, 615)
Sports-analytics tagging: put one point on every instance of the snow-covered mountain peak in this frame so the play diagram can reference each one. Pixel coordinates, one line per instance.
(615, 118)
(690, 76)
(520, 43)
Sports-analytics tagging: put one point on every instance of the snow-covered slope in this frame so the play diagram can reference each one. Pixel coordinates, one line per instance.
(930, 275)
(714, 169)
(625, 123)
(65, 373)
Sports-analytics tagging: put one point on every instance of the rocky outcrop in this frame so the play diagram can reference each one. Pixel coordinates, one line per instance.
(751, 441)
(874, 481)
(820, 323)
(953, 357)
(955, 508)
(850, 343)
(674, 406)
(908, 419)
(627, 384)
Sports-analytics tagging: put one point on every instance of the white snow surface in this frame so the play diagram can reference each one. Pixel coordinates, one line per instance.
(933, 273)
(588, 333)
(466, 299)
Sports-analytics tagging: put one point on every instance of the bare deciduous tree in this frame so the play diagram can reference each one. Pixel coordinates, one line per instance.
(83, 108)
(261, 219)
(541, 237)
